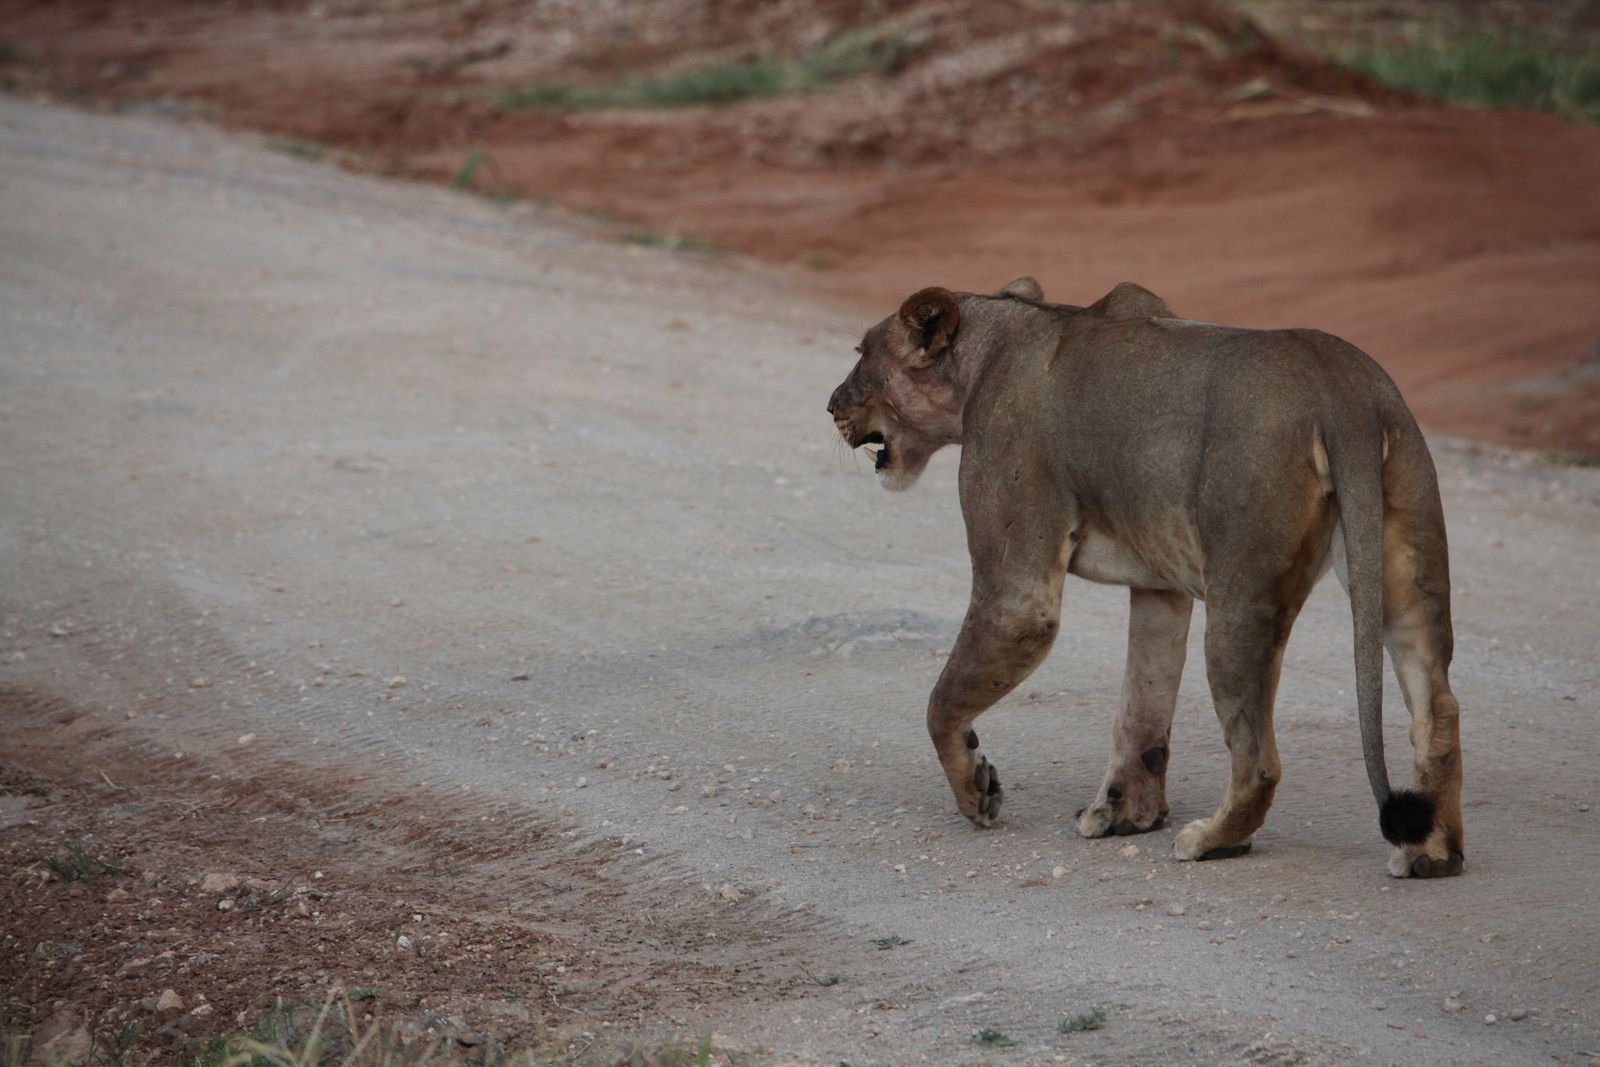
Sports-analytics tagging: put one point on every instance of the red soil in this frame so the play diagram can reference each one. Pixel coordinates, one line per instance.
(1176, 145)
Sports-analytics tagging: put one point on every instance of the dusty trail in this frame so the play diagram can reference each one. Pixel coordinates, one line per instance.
(418, 490)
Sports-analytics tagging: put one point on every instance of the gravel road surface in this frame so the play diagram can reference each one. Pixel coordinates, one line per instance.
(300, 465)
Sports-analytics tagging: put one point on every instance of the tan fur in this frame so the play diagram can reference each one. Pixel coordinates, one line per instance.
(1184, 460)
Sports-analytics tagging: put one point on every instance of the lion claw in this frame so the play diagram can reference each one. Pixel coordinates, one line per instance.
(986, 780)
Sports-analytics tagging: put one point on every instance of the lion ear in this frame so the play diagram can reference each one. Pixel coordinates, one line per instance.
(929, 319)
(1025, 289)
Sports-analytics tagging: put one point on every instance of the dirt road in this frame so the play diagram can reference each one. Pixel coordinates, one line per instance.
(453, 504)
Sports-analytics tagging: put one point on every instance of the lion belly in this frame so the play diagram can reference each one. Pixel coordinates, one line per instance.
(1168, 560)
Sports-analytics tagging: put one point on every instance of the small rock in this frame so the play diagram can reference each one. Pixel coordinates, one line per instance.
(1518, 1014)
(730, 893)
(63, 1038)
(397, 682)
(1059, 872)
(200, 683)
(219, 882)
(402, 942)
(1279, 898)
(1486, 938)
(1452, 1005)
(581, 783)
(169, 1003)
(1490, 1019)
(1583, 807)
(1176, 909)
(225, 905)
(245, 739)
(118, 895)
(1205, 924)
(202, 1010)
(1378, 1005)
(1129, 851)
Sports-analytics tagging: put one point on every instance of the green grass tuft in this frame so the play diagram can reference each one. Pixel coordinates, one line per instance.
(292, 146)
(891, 941)
(848, 55)
(1089, 1020)
(468, 170)
(671, 242)
(1569, 457)
(1492, 69)
(825, 980)
(78, 865)
(990, 1036)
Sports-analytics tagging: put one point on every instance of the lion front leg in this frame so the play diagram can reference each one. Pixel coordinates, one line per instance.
(1133, 796)
(997, 649)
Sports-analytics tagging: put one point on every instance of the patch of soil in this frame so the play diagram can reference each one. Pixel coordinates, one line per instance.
(1181, 145)
(152, 908)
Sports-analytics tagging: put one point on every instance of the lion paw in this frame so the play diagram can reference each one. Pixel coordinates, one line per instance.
(1413, 862)
(1118, 815)
(986, 780)
(1192, 844)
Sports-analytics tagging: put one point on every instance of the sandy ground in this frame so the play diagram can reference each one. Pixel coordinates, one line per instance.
(347, 490)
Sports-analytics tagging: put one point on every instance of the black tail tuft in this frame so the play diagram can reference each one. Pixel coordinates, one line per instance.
(1406, 818)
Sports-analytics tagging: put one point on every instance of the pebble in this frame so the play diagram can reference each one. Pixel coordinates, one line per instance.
(169, 1001)
(1490, 1019)
(1583, 807)
(1205, 924)
(397, 682)
(1060, 872)
(118, 896)
(1452, 1005)
(219, 882)
(1176, 909)
(1518, 1014)
(1129, 851)
(1378, 1005)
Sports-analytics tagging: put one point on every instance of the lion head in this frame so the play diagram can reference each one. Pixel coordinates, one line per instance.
(907, 391)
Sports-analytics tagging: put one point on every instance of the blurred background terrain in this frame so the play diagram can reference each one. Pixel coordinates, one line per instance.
(1417, 176)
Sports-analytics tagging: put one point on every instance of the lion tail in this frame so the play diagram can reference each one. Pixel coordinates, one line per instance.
(1355, 466)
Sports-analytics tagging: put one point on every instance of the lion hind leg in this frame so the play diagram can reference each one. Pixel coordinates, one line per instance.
(1244, 658)
(1133, 796)
(1419, 657)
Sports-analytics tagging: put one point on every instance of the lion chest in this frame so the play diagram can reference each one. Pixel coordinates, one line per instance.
(1165, 556)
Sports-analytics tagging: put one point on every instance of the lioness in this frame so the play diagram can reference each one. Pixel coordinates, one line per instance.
(1182, 459)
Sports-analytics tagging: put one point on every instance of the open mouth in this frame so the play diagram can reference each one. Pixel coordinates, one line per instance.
(880, 458)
